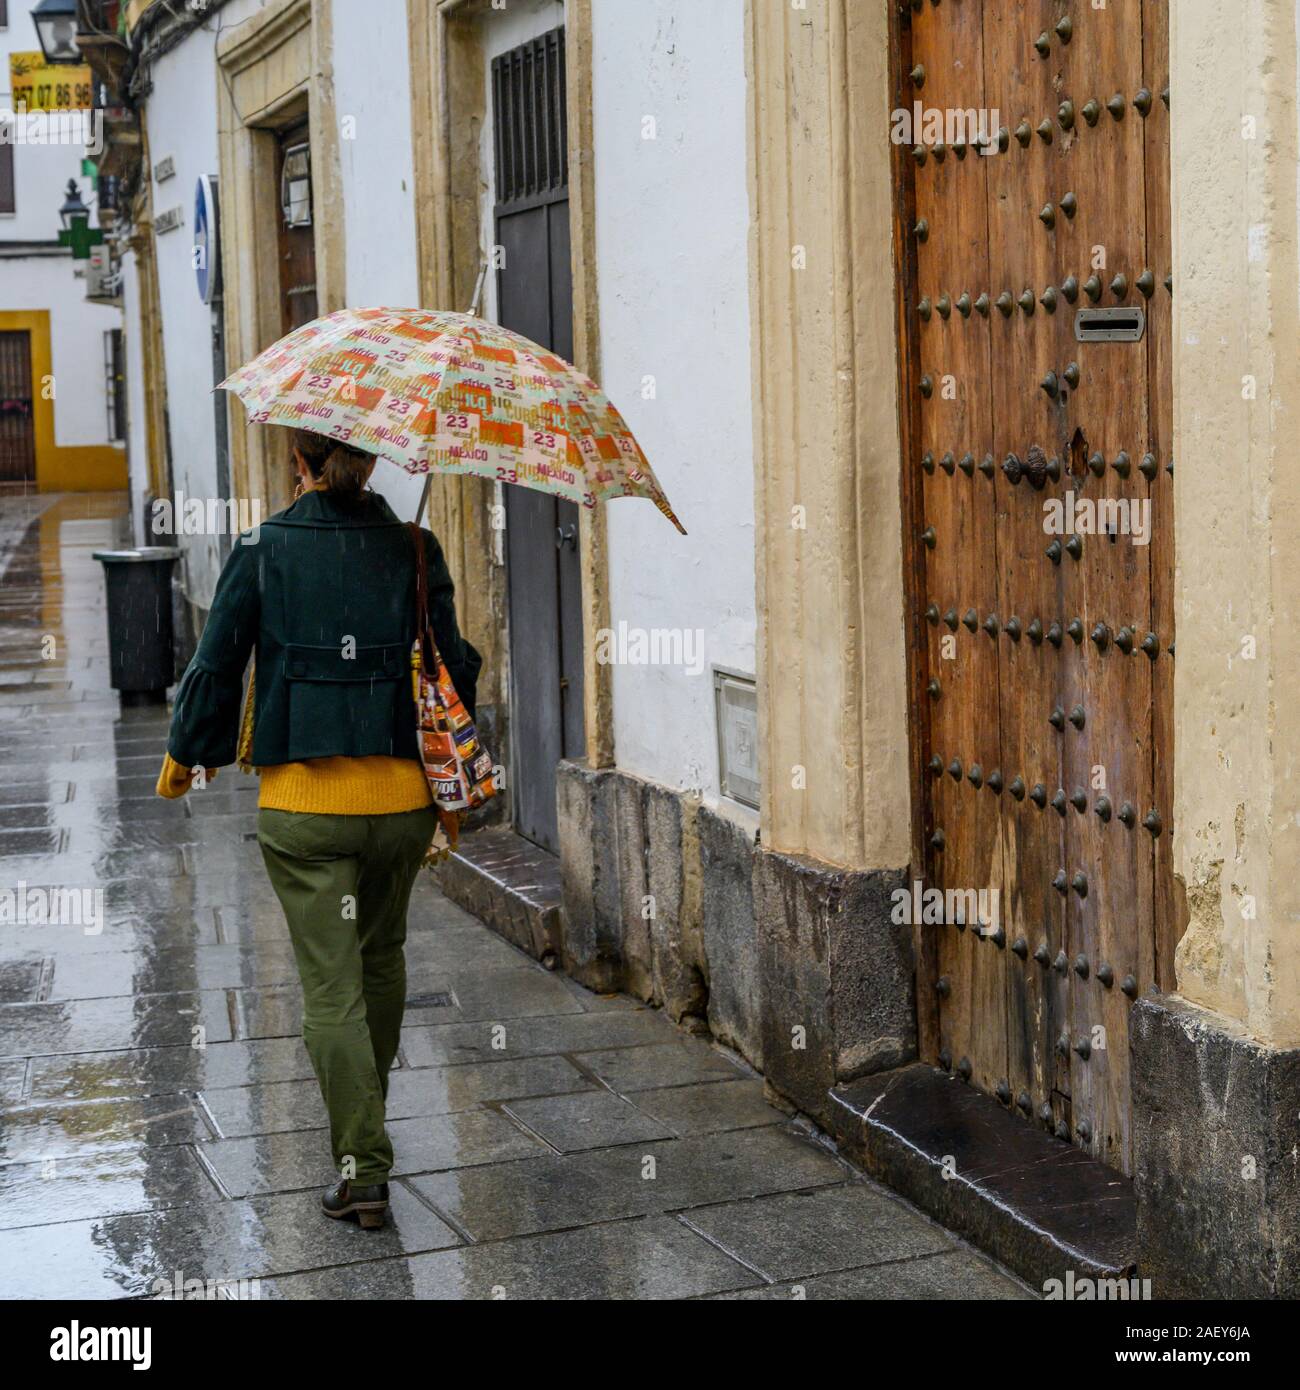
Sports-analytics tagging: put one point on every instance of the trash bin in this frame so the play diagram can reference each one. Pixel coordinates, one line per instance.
(140, 655)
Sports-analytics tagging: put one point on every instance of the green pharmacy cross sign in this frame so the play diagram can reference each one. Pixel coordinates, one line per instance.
(77, 232)
(81, 236)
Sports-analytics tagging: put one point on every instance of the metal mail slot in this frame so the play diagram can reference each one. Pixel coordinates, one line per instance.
(1109, 325)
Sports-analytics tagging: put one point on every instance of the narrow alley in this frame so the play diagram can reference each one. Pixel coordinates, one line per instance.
(161, 1125)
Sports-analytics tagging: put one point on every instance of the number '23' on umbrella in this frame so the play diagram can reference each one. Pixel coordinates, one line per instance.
(443, 392)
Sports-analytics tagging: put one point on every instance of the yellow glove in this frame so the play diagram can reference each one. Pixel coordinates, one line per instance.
(175, 780)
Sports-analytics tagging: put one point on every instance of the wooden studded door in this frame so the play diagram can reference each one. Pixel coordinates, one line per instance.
(1040, 497)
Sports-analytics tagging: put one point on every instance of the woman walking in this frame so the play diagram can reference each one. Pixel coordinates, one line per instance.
(326, 599)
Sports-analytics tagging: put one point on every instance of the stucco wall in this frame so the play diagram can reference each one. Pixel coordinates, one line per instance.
(372, 95)
(372, 92)
(182, 121)
(76, 342)
(1237, 412)
(672, 223)
(41, 174)
(136, 442)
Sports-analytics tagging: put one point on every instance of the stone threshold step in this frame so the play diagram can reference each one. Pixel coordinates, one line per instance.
(1040, 1206)
(511, 884)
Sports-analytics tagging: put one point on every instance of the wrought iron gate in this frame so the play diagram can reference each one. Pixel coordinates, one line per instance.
(17, 426)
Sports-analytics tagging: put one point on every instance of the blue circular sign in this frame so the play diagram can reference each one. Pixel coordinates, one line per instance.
(207, 250)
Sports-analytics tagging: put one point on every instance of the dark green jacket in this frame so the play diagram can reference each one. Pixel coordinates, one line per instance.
(326, 599)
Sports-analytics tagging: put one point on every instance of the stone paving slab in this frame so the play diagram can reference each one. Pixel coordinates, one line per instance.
(248, 888)
(91, 867)
(672, 1063)
(248, 924)
(955, 1274)
(88, 786)
(78, 1025)
(509, 1199)
(106, 820)
(654, 1258)
(19, 817)
(13, 1074)
(457, 952)
(45, 792)
(20, 980)
(160, 1070)
(709, 1107)
(596, 1120)
(276, 1011)
(142, 1178)
(14, 844)
(528, 992)
(284, 1162)
(167, 970)
(530, 1037)
(287, 1105)
(795, 1235)
(64, 1130)
(124, 1256)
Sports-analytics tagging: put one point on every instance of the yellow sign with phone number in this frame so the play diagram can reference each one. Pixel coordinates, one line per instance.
(41, 86)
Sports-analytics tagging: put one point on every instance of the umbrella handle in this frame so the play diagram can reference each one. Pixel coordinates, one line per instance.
(478, 288)
(424, 498)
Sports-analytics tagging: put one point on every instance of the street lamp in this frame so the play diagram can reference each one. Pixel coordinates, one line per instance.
(73, 211)
(56, 28)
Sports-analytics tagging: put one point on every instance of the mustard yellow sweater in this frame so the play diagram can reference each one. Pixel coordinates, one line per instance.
(326, 786)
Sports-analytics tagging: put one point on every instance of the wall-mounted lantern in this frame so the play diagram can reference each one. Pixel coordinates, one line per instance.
(56, 29)
(77, 231)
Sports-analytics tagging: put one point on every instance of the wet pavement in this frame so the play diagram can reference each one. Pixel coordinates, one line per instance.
(158, 1116)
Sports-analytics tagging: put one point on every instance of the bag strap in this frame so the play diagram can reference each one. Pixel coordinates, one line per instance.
(428, 647)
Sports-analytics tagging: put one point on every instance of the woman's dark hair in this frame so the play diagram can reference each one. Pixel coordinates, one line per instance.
(339, 468)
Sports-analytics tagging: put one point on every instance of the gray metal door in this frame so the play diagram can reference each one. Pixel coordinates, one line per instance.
(535, 298)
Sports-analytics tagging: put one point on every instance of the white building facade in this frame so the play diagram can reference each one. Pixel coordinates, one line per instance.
(61, 430)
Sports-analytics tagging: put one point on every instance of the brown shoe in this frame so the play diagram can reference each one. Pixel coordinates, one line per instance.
(368, 1203)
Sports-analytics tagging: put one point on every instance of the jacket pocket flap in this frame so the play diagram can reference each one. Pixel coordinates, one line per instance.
(379, 663)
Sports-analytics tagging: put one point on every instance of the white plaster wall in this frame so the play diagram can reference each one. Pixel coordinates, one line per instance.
(372, 92)
(41, 172)
(136, 449)
(53, 282)
(182, 114)
(672, 224)
(76, 341)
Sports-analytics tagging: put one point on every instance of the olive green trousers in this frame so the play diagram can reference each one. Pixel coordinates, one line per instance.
(345, 884)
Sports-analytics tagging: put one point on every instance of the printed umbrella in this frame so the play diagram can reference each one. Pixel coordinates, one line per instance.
(451, 393)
